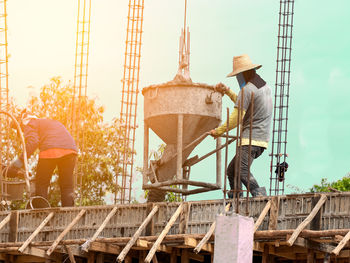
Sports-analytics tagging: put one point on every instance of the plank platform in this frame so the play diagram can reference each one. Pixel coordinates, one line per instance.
(295, 227)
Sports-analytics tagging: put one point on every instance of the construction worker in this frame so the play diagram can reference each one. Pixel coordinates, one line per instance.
(249, 82)
(57, 149)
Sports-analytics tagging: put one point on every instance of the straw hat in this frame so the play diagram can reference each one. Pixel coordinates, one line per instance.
(242, 63)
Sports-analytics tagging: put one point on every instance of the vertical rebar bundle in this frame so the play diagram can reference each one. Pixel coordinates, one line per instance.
(280, 117)
(129, 94)
(4, 90)
(81, 76)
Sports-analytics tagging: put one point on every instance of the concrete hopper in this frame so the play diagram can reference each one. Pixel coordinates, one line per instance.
(179, 112)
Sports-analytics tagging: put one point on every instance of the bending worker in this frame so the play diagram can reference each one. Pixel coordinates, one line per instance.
(249, 82)
(57, 149)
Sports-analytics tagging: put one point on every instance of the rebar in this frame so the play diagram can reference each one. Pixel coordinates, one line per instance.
(130, 83)
(80, 82)
(282, 85)
(4, 90)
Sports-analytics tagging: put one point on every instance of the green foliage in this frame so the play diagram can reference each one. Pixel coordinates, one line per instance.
(99, 143)
(342, 185)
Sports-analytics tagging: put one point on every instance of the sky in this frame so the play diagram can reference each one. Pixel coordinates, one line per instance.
(41, 45)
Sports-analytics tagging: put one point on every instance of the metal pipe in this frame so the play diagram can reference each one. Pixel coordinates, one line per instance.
(145, 153)
(218, 162)
(180, 119)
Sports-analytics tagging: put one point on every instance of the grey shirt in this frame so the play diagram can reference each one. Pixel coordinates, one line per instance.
(262, 111)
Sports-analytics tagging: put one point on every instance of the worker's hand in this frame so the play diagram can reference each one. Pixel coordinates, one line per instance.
(213, 133)
(221, 87)
(16, 164)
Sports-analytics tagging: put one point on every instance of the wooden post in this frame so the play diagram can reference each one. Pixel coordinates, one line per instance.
(86, 245)
(136, 235)
(184, 256)
(13, 226)
(33, 235)
(262, 215)
(265, 255)
(179, 134)
(184, 216)
(68, 228)
(275, 201)
(310, 256)
(150, 227)
(173, 258)
(315, 224)
(307, 220)
(163, 234)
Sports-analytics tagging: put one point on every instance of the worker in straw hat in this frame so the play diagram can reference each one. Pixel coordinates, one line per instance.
(57, 149)
(249, 82)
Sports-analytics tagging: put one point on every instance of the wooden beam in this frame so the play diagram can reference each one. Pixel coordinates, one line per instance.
(208, 234)
(86, 245)
(65, 231)
(137, 234)
(341, 244)
(34, 234)
(195, 256)
(262, 215)
(184, 256)
(5, 221)
(265, 255)
(307, 220)
(37, 252)
(150, 226)
(163, 234)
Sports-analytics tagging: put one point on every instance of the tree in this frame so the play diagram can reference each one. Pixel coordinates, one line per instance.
(342, 185)
(99, 142)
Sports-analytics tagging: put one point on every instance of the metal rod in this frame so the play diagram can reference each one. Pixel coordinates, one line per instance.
(226, 152)
(250, 150)
(218, 162)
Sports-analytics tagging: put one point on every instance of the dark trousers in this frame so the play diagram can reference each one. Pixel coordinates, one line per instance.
(65, 167)
(256, 151)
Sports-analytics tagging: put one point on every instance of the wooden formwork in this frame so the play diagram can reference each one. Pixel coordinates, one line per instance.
(295, 228)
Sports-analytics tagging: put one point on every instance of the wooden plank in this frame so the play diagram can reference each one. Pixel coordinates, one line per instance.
(34, 234)
(5, 221)
(323, 247)
(104, 248)
(65, 231)
(137, 234)
(341, 245)
(70, 254)
(307, 220)
(173, 258)
(195, 256)
(86, 245)
(262, 215)
(100, 258)
(184, 216)
(163, 234)
(13, 226)
(91, 258)
(275, 201)
(205, 239)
